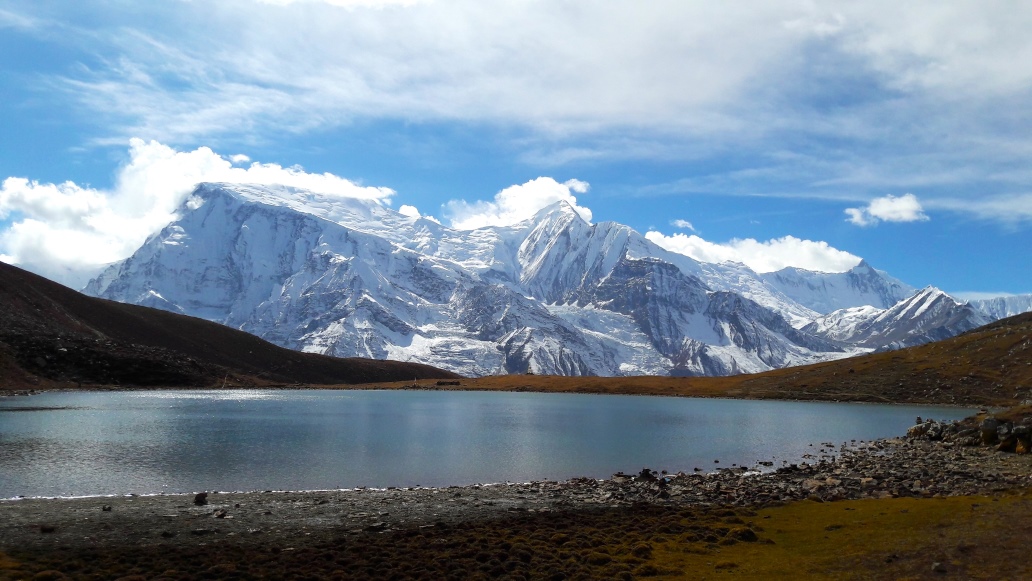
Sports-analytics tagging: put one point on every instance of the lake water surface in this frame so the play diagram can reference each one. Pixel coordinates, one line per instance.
(91, 443)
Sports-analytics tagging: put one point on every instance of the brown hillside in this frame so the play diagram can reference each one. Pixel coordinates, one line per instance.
(991, 365)
(52, 336)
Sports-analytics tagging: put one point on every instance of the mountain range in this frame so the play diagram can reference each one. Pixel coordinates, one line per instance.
(554, 294)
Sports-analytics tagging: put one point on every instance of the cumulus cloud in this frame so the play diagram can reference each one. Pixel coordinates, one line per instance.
(905, 208)
(410, 211)
(66, 231)
(684, 224)
(516, 203)
(768, 256)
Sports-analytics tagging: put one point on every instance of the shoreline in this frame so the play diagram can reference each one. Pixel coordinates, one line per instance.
(881, 469)
(903, 507)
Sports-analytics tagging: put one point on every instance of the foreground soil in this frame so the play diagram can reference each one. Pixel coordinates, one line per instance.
(889, 509)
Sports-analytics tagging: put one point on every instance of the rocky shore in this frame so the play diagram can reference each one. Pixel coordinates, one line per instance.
(912, 467)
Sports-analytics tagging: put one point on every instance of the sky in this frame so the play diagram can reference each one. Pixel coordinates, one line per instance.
(774, 133)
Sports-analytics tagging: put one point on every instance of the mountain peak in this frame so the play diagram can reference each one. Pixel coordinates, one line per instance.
(931, 293)
(556, 208)
(561, 210)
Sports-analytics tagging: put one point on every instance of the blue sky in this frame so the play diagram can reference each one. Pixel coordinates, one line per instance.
(774, 133)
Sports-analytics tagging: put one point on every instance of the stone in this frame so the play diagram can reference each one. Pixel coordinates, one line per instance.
(988, 429)
(918, 430)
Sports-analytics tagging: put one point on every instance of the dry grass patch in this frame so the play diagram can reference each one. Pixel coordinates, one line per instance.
(968, 537)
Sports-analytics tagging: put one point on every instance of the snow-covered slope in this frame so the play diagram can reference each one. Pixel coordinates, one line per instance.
(825, 292)
(552, 294)
(1003, 307)
(929, 315)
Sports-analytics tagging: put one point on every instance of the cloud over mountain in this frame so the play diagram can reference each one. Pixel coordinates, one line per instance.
(761, 256)
(516, 203)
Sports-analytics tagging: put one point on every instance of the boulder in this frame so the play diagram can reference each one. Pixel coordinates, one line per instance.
(988, 429)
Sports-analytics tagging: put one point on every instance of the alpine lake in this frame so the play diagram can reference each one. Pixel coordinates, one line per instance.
(152, 442)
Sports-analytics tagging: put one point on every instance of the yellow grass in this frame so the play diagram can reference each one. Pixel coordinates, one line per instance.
(971, 537)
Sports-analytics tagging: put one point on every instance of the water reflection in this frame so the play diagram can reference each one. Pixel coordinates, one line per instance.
(145, 442)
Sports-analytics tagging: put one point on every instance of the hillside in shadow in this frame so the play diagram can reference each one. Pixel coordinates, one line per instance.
(52, 336)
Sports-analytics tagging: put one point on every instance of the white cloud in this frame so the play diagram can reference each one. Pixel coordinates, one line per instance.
(866, 93)
(410, 211)
(685, 224)
(1008, 208)
(905, 208)
(66, 231)
(516, 203)
(13, 20)
(768, 256)
(556, 66)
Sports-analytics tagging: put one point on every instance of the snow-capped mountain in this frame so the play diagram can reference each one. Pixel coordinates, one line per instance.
(1003, 307)
(553, 294)
(825, 292)
(929, 315)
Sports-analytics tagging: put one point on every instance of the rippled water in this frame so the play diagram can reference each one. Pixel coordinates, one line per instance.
(57, 444)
